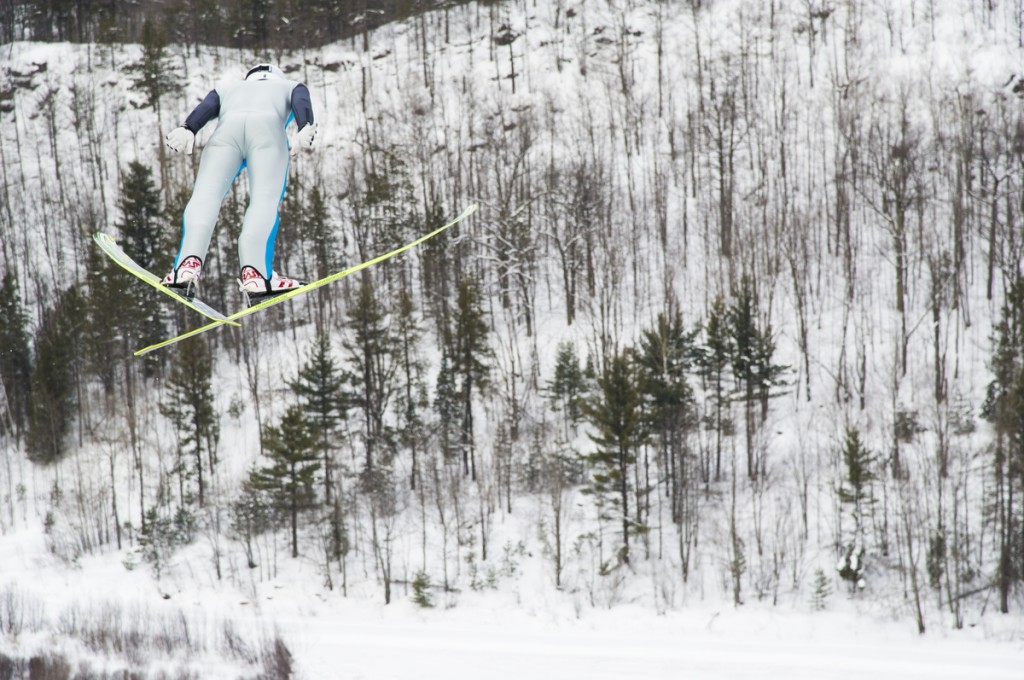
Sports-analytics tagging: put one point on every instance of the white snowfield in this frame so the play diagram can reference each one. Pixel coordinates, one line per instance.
(526, 630)
(619, 644)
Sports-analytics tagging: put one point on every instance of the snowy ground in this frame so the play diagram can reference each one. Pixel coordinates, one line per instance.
(396, 643)
(525, 631)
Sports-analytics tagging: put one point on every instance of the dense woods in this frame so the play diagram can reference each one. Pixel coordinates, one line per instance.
(255, 24)
(741, 313)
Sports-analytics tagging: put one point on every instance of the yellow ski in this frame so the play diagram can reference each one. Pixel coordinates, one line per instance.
(270, 302)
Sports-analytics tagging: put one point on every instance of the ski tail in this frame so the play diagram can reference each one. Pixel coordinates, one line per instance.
(109, 246)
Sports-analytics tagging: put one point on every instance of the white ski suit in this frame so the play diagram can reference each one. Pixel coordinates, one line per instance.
(252, 117)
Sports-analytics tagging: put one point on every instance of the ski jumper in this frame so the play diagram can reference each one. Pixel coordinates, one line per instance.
(252, 116)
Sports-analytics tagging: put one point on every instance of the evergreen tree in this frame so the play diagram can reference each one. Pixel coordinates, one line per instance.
(15, 357)
(713, 362)
(447, 408)
(385, 213)
(856, 497)
(190, 407)
(437, 265)
(105, 333)
(567, 388)
(855, 489)
(157, 541)
(142, 219)
(155, 74)
(291, 447)
(161, 534)
(752, 351)
(421, 590)
(220, 291)
(55, 377)
(616, 414)
(470, 361)
(665, 355)
(252, 514)
(385, 209)
(1004, 408)
(371, 353)
(819, 597)
(318, 231)
(412, 390)
(320, 387)
(122, 314)
(319, 240)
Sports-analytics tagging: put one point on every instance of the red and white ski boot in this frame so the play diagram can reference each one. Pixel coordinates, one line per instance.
(184, 279)
(257, 287)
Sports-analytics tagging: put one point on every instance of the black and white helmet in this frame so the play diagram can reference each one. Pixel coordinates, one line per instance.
(263, 72)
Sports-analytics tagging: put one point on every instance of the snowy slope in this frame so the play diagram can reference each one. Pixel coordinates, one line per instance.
(613, 84)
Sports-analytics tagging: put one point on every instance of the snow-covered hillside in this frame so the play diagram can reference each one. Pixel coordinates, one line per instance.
(854, 167)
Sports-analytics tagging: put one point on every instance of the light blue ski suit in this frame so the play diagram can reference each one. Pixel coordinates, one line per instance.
(252, 117)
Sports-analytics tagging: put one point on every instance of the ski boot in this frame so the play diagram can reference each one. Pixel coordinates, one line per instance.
(257, 288)
(184, 280)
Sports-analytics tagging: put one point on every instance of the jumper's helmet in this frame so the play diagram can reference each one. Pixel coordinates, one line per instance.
(263, 72)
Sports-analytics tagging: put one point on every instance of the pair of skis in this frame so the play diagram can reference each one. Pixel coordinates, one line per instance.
(110, 247)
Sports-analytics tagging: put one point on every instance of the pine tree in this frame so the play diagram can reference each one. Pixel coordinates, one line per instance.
(665, 356)
(470, 356)
(859, 463)
(567, 388)
(320, 387)
(55, 377)
(319, 240)
(713, 362)
(855, 495)
(106, 328)
(252, 514)
(421, 590)
(752, 351)
(157, 541)
(291, 447)
(437, 254)
(616, 413)
(385, 208)
(370, 352)
(819, 597)
(1004, 408)
(122, 312)
(189, 405)
(142, 218)
(318, 231)
(154, 75)
(447, 408)
(15, 357)
(385, 212)
(412, 392)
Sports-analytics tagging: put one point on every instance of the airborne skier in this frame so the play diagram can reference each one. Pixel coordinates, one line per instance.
(252, 117)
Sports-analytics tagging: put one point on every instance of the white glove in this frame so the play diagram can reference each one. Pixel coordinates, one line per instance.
(181, 140)
(303, 138)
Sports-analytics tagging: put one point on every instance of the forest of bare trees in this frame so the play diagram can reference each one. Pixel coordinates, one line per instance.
(743, 300)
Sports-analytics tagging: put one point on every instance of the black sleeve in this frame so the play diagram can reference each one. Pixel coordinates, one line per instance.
(302, 106)
(207, 110)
